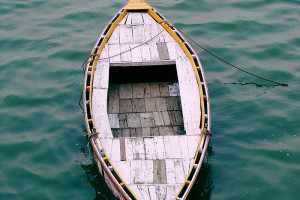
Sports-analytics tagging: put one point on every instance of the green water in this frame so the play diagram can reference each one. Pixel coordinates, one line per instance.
(254, 152)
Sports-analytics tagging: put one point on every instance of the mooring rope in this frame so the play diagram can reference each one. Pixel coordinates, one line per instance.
(228, 63)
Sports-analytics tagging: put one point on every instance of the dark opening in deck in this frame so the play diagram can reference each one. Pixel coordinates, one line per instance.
(144, 101)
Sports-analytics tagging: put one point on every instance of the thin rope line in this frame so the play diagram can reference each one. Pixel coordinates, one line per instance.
(283, 84)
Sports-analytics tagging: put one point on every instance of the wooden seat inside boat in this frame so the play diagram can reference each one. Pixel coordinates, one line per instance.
(144, 101)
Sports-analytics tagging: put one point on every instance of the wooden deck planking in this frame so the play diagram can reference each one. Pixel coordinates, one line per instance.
(113, 99)
(126, 172)
(159, 147)
(161, 191)
(126, 34)
(137, 18)
(125, 91)
(149, 149)
(148, 19)
(125, 57)
(138, 148)
(129, 149)
(115, 150)
(113, 120)
(144, 191)
(114, 52)
(172, 147)
(124, 19)
(101, 75)
(129, 19)
(146, 52)
(136, 53)
(115, 36)
(138, 33)
(99, 106)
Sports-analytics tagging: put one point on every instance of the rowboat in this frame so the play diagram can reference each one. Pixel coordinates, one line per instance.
(146, 106)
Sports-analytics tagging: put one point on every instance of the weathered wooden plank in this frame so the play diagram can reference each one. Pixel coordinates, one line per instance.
(133, 132)
(164, 89)
(190, 98)
(146, 132)
(126, 56)
(166, 118)
(126, 105)
(138, 33)
(122, 149)
(158, 119)
(161, 191)
(101, 75)
(172, 103)
(161, 36)
(113, 120)
(172, 190)
(170, 172)
(137, 18)
(123, 121)
(148, 19)
(174, 89)
(138, 105)
(136, 191)
(114, 52)
(161, 104)
(126, 34)
(129, 149)
(159, 147)
(104, 54)
(172, 50)
(167, 37)
(107, 145)
(172, 147)
(154, 131)
(172, 117)
(136, 52)
(146, 53)
(152, 192)
(179, 170)
(149, 149)
(147, 32)
(125, 91)
(138, 132)
(154, 89)
(150, 105)
(129, 19)
(133, 120)
(99, 107)
(117, 133)
(159, 176)
(138, 148)
(147, 120)
(139, 90)
(166, 130)
(163, 51)
(142, 171)
(179, 130)
(123, 168)
(143, 63)
(183, 141)
(153, 49)
(154, 34)
(144, 191)
(115, 150)
(178, 117)
(125, 132)
(193, 144)
(113, 99)
(115, 36)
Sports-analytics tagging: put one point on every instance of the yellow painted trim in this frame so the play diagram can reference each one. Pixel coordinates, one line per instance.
(136, 5)
(182, 45)
(93, 67)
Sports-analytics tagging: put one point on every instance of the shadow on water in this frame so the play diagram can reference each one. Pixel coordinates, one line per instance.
(203, 186)
(96, 180)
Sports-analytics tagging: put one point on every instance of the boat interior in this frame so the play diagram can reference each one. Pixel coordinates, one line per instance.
(144, 100)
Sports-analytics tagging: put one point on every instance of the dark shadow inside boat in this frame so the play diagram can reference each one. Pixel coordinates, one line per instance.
(144, 99)
(96, 180)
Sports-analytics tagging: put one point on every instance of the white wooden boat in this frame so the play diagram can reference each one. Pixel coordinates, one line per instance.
(145, 104)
